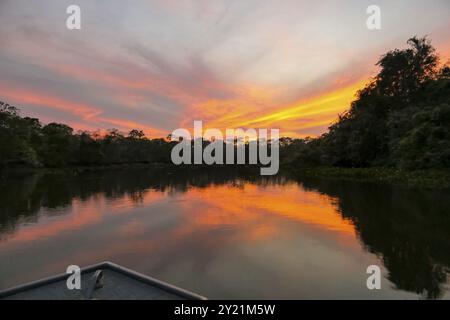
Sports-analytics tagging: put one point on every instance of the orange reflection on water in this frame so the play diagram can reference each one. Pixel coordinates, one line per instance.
(78, 215)
(225, 205)
(253, 212)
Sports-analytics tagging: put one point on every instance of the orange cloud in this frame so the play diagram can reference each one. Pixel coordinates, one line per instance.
(38, 99)
(127, 125)
(259, 110)
(88, 113)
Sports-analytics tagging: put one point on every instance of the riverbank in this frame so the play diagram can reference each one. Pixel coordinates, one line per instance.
(428, 179)
(425, 179)
(80, 169)
(163, 167)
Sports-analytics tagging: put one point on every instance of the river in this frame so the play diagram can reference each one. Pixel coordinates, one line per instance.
(229, 235)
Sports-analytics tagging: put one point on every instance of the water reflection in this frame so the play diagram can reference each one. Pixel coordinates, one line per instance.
(226, 234)
(409, 229)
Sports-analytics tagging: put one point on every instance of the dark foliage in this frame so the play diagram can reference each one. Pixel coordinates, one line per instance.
(400, 119)
(25, 142)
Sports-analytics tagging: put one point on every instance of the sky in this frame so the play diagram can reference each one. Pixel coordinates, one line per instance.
(159, 65)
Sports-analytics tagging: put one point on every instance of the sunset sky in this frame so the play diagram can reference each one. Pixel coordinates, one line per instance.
(158, 65)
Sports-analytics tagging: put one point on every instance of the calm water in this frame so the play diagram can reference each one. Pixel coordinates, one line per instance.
(225, 235)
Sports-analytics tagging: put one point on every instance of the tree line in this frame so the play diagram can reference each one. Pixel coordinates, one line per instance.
(401, 118)
(25, 142)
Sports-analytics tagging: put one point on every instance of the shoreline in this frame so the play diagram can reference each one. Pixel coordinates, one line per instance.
(438, 179)
(128, 166)
(422, 179)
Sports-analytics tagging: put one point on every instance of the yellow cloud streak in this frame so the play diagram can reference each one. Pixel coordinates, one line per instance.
(315, 111)
(328, 105)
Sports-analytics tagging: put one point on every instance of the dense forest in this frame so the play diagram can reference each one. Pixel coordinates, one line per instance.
(26, 142)
(400, 119)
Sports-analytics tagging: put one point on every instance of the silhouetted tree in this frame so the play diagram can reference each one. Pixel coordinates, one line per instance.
(401, 118)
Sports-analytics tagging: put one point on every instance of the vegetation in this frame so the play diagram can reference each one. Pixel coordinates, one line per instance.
(401, 119)
(25, 142)
(422, 179)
